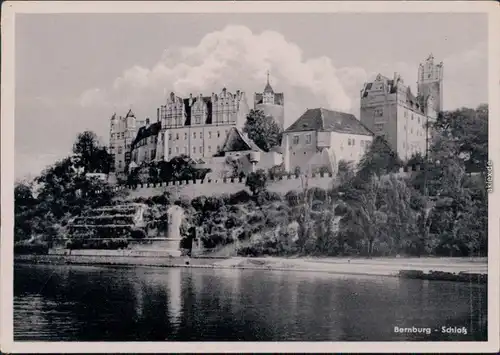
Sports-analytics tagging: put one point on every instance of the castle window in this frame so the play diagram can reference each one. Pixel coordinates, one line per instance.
(153, 152)
(308, 139)
(177, 136)
(119, 150)
(348, 141)
(119, 164)
(201, 149)
(169, 151)
(177, 150)
(209, 149)
(194, 150)
(201, 135)
(218, 147)
(194, 135)
(209, 134)
(185, 135)
(218, 134)
(170, 136)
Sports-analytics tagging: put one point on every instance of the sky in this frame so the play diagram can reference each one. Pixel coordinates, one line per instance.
(72, 71)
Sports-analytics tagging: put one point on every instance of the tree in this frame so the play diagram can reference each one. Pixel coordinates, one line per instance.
(456, 221)
(380, 159)
(180, 168)
(468, 129)
(24, 204)
(264, 131)
(92, 156)
(256, 182)
(416, 159)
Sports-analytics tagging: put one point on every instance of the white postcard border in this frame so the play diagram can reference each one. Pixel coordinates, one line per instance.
(9, 9)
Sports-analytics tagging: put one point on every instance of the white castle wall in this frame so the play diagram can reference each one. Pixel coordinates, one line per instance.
(192, 189)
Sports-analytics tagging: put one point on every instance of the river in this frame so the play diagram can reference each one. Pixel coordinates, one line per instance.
(86, 303)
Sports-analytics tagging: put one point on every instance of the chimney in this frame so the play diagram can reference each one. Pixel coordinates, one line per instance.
(147, 121)
(158, 114)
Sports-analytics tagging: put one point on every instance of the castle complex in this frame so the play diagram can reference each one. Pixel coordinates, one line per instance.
(206, 127)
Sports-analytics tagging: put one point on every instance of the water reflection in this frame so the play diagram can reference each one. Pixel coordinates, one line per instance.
(155, 304)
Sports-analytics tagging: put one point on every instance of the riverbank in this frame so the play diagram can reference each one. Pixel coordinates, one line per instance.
(450, 269)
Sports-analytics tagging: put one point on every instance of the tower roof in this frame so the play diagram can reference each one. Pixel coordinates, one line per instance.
(268, 88)
(130, 113)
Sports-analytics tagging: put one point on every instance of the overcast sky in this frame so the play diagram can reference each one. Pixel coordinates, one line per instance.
(74, 70)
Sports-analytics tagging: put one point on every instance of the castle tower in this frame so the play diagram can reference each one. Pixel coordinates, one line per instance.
(122, 132)
(271, 103)
(430, 83)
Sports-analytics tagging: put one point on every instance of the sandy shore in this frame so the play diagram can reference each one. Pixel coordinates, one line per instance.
(377, 266)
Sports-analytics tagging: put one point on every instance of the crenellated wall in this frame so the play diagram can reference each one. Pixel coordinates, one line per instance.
(192, 189)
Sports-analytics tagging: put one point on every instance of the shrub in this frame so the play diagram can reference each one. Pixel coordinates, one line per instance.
(239, 197)
(257, 181)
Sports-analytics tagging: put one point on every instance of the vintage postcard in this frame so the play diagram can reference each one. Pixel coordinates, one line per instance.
(250, 177)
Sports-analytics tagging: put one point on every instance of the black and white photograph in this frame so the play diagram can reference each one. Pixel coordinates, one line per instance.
(243, 173)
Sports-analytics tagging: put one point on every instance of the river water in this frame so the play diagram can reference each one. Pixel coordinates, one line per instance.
(82, 303)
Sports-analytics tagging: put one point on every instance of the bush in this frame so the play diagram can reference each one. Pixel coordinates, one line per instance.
(257, 181)
(239, 197)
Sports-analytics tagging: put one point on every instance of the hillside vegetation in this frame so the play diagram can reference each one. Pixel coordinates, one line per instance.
(440, 211)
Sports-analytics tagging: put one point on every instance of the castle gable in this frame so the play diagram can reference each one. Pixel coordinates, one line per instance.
(236, 141)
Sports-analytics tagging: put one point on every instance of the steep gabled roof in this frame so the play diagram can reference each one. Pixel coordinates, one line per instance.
(320, 119)
(147, 131)
(130, 113)
(236, 141)
(268, 88)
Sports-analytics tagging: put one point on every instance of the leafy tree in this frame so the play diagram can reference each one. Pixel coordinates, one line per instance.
(380, 159)
(92, 156)
(24, 204)
(180, 168)
(256, 182)
(416, 159)
(264, 131)
(467, 129)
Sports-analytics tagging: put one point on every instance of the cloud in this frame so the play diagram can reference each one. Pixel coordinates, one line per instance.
(237, 59)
